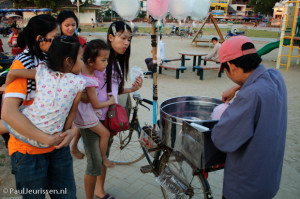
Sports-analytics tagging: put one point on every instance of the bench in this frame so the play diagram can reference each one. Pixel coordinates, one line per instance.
(172, 67)
(200, 70)
(174, 59)
(206, 60)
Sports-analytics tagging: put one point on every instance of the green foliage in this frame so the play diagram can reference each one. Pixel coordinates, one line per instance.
(52, 4)
(263, 6)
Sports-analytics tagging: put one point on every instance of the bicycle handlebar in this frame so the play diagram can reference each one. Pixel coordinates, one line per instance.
(140, 99)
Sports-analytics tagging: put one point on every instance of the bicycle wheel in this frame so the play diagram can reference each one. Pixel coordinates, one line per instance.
(196, 184)
(126, 148)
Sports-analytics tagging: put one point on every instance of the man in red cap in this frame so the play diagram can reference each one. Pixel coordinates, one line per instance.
(252, 130)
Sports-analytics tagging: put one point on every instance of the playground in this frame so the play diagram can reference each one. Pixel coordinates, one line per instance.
(126, 181)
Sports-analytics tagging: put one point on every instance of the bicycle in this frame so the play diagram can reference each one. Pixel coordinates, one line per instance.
(125, 148)
(181, 172)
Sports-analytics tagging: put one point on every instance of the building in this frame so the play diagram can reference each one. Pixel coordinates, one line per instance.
(219, 8)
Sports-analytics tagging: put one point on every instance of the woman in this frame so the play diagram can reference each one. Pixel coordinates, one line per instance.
(111, 83)
(36, 169)
(68, 23)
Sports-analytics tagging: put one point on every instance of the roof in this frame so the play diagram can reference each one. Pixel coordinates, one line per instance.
(230, 9)
(25, 10)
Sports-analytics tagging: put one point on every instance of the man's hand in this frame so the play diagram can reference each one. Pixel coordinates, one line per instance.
(230, 93)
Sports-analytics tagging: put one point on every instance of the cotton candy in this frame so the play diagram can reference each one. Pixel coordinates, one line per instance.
(158, 8)
(218, 111)
(127, 9)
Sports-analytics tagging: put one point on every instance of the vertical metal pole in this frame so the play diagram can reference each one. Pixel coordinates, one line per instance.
(292, 36)
(283, 28)
(155, 97)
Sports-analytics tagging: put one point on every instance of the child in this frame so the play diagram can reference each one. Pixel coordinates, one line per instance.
(58, 89)
(12, 41)
(95, 57)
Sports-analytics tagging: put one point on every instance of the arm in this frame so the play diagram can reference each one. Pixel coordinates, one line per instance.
(72, 113)
(236, 125)
(12, 115)
(91, 92)
(212, 53)
(138, 83)
(19, 73)
(9, 40)
(230, 93)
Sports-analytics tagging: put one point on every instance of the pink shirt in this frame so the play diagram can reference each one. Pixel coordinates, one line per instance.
(101, 90)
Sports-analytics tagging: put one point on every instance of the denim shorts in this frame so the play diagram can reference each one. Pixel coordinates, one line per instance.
(50, 173)
(92, 151)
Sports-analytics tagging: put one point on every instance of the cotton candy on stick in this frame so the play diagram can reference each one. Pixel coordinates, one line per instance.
(180, 9)
(158, 8)
(127, 9)
(200, 9)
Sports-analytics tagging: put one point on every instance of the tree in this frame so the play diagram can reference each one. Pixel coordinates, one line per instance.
(36, 3)
(52, 4)
(263, 6)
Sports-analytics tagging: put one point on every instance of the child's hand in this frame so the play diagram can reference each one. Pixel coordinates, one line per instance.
(138, 83)
(67, 137)
(54, 139)
(111, 99)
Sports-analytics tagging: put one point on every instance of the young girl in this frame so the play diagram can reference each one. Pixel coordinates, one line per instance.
(58, 89)
(95, 58)
(111, 82)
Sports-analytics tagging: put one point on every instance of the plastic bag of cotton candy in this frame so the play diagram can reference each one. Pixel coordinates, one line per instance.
(135, 72)
(218, 111)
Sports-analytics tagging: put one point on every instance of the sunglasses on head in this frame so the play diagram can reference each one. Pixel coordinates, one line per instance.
(45, 39)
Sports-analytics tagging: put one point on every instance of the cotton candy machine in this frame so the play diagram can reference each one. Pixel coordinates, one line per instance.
(186, 127)
(184, 108)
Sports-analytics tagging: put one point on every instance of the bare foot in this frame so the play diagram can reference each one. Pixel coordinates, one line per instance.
(76, 153)
(107, 163)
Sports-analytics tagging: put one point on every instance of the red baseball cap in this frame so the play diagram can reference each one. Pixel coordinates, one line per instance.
(232, 49)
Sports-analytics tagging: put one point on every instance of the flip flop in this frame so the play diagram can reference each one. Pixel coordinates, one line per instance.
(107, 196)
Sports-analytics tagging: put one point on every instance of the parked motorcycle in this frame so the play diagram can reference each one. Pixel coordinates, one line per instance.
(234, 33)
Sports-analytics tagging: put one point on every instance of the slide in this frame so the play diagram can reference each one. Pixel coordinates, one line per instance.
(271, 46)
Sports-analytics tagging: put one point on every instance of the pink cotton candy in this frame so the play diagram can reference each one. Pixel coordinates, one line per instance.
(218, 111)
(158, 8)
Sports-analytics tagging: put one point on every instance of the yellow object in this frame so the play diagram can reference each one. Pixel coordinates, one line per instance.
(283, 36)
(1, 67)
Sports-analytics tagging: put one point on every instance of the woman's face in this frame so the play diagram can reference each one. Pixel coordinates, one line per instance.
(45, 45)
(68, 26)
(120, 42)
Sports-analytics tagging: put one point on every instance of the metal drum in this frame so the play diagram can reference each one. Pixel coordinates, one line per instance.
(185, 108)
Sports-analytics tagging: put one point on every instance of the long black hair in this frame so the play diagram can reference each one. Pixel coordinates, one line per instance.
(114, 28)
(65, 14)
(38, 25)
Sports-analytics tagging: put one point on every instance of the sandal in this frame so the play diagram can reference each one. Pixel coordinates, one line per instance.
(107, 196)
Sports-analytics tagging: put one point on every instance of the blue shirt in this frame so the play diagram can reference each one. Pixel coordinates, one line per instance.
(252, 131)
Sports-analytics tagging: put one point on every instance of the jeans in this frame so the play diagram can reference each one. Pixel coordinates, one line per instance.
(39, 174)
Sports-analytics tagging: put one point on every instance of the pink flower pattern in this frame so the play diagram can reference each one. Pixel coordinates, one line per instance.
(54, 99)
